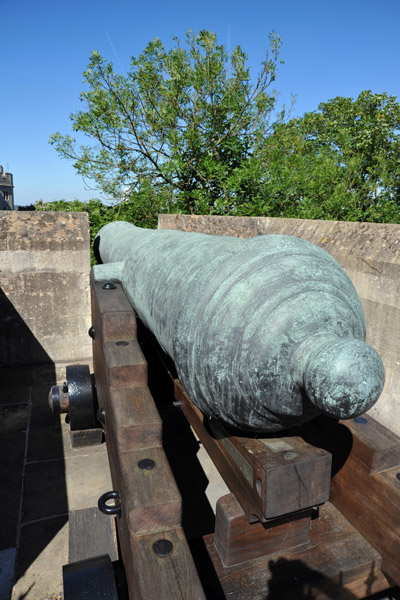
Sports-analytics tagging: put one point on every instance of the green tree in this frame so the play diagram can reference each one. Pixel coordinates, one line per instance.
(341, 162)
(185, 123)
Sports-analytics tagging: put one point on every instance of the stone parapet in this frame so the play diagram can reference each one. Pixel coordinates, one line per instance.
(44, 288)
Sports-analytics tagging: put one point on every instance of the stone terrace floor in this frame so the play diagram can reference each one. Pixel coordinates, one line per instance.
(42, 479)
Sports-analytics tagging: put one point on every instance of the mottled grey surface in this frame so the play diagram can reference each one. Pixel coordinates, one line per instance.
(266, 333)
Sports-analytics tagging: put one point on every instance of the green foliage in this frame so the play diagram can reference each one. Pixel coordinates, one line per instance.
(341, 162)
(185, 130)
(184, 122)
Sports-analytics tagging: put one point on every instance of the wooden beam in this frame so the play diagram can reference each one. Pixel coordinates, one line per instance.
(150, 500)
(366, 489)
(237, 540)
(270, 476)
(337, 562)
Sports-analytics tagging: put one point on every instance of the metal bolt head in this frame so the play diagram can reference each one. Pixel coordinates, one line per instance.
(361, 420)
(146, 464)
(163, 547)
(91, 332)
(101, 415)
(109, 286)
(122, 343)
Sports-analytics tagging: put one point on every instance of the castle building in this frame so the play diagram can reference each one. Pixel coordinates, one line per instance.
(6, 190)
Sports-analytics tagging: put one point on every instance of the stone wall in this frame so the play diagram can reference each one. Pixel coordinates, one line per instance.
(368, 252)
(44, 289)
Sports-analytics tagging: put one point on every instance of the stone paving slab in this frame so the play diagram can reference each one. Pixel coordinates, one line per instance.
(39, 577)
(42, 479)
(7, 563)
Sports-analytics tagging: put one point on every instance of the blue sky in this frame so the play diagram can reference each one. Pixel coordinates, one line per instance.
(330, 48)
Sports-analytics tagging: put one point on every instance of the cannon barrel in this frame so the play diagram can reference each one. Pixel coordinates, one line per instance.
(266, 333)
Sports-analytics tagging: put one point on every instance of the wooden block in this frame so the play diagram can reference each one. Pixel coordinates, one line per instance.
(337, 562)
(375, 445)
(117, 326)
(149, 496)
(289, 474)
(371, 502)
(91, 534)
(169, 577)
(136, 418)
(81, 438)
(369, 498)
(109, 300)
(237, 540)
(124, 364)
(150, 500)
(269, 477)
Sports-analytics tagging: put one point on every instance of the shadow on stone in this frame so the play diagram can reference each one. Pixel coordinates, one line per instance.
(32, 471)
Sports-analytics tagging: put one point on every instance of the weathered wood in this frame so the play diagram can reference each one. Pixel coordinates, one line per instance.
(270, 477)
(337, 562)
(109, 301)
(86, 437)
(375, 445)
(237, 540)
(136, 418)
(289, 474)
(149, 497)
(117, 326)
(125, 364)
(371, 502)
(369, 498)
(150, 500)
(169, 577)
(91, 534)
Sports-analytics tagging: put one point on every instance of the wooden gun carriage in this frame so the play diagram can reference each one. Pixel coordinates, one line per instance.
(313, 512)
(286, 530)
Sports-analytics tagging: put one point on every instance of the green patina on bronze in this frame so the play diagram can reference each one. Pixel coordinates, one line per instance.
(266, 333)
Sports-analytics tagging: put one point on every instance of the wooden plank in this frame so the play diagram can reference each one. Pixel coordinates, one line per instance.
(86, 437)
(150, 500)
(369, 498)
(375, 445)
(289, 474)
(337, 562)
(91, 534)
(270, 477)
(110, 300)
(169, 577)
(117, 326)
(371, 502)
(150, 497)
(136, 418)
(237, 540)
(125, 364)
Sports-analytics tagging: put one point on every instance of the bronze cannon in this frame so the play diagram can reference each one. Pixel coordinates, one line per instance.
(266, 333)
